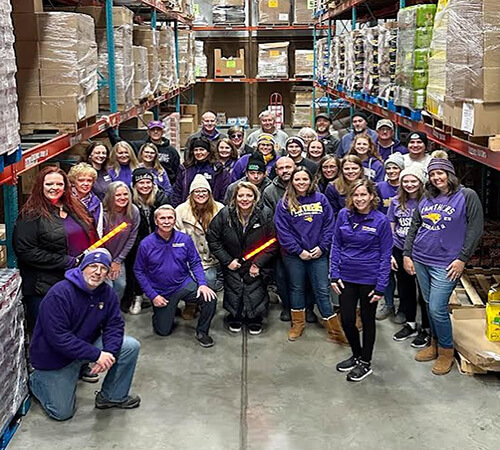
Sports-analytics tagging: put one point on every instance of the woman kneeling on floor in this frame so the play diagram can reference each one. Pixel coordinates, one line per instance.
(360, 266)
(445, 230)
(235, 231)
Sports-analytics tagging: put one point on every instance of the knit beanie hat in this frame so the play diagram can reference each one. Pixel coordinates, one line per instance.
(256, 162)
(417, 170)
(417, 135)
(440, 164)
(99, 255)
(266, 138)
(395, 158)
(141, 174)
(296, 140)
(203, 143)
(361, 114)
(199, 182)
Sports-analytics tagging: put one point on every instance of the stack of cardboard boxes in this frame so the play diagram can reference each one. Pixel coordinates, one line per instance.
(168, 73)
(304, 63)
(301, 110)
(200, 60)
(273, 60)
(186, 57)
(303, 11)
(188, 123)
(57, 67)
(228, 12)
(145, 36)
(229, 66)
(142, 88)
(274, 12)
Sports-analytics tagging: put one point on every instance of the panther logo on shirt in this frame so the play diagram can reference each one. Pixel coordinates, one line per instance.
(308, 219)
(434, 217)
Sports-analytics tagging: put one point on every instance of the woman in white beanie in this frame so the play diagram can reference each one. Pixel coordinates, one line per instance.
(193, 218)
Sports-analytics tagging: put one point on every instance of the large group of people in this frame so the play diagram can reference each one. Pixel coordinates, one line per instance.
(334, 224)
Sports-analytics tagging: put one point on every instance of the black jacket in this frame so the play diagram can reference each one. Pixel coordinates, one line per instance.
(243, 295)
(331, 144)
(147, 223)
(42, 252)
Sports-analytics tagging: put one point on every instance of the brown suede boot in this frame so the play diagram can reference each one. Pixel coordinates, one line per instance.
(334, 331)
(298, 324)
(189, 311)
(429, 353)
(359, 323)
(444, 362)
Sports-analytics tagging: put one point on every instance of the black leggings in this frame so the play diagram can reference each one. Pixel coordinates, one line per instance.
(351, 294)
(408, 290)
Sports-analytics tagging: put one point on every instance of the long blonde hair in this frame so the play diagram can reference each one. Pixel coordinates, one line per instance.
(341, 184)
(156, 162)
(256, 193)
(138, 199)
(113, 161)
(203, 213)
(109, 202)
(290, 198)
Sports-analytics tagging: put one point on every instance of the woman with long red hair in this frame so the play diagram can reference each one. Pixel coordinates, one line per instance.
(52, 229)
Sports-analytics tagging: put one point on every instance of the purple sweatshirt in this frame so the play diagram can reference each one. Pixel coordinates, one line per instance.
(445, 228)
(346, 141)
(385, 152)
(162, 180)
(163, 267)
(337, 200)
(361, 249)
(385, 192)
(121, 244)
(240, 167)
(311, 226)
(124, 175)
(70, 320)
(101, 183)
(374, 169)
(401, 219)
(94, 206)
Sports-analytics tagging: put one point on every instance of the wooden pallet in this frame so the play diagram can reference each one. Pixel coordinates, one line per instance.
(491, 142)
(465, 367)
(59, 128)
(472, 290)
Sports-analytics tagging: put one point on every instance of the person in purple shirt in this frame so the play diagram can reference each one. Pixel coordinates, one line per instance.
(445, 230)
(80, 322)
(400, 213)
(122, 162)
(364, 148)
(201, 160)
(148, 158)
(169, 270)
(98, 157)
(359, 126)
(360, 263)
(226, 153)
(351, 170)
(386, 144)
(304, 223)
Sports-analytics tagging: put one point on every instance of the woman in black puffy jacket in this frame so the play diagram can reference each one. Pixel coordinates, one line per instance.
(235, 231)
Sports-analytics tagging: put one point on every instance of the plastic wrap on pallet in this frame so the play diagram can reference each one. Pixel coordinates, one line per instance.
(168, 73)
(274, 12)
(14, 374)
(414, 39)
(273, 60)
(9, 118)
(303, 11)
(228, 12)
(355, 60)
(200, 60)
(304, 63)
(301, 116)
(338, 61)
(371, 74)
(142, 88)
(124, 65)
(186, 57)
(202, 13)
(387, 47)
(145, 36)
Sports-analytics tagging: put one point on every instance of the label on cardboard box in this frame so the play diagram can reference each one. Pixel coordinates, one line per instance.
(468, 117)
(272, 3)
(282, 16)
(310, 4)
(310, 57)
(230, 64)
(274, 53)
(493, 322)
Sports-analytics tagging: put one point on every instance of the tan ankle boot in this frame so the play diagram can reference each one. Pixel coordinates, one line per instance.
(189, 311)
(444, 362)
(298, 324)
(429, 353)
(334, 331)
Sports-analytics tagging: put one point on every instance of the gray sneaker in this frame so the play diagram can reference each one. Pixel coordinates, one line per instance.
(384, 312)
(132, 401)
(400, 318)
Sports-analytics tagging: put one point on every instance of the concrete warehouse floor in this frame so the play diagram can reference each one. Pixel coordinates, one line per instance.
(264, 393)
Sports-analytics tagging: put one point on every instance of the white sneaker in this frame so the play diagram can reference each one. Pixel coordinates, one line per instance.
(135, 308)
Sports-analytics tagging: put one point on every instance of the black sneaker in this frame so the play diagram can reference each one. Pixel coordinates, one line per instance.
(348, 364)
(406, 332)
(132, 401)
(204, 340)
(235, 327)
(422, 340)
(360, 372)
(285, 315)
(87, 375)
(254, 328)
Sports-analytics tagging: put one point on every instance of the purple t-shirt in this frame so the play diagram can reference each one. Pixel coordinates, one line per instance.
(402, 220)
(386, 192)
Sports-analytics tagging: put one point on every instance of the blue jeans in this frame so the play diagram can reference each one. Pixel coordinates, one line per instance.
(316, 270)
(56, 389)
(214, 282)
(436, 289)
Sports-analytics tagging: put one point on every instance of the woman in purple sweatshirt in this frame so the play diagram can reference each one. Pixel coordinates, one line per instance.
(98, 157)
(148, 158)
(445, 230)
(360, 263)
(122, 162)
(364, 148)
(304, 224)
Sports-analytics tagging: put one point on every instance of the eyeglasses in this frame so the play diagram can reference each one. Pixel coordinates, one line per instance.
(200, 193)
(237, 135)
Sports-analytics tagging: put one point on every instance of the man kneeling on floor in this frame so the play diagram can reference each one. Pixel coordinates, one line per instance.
(80, 322)
(163, 266)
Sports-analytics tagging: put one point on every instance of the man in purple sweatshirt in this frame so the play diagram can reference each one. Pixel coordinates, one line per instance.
(166, 263)
(80, 322)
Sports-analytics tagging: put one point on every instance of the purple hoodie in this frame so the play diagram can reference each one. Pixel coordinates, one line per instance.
(70, 320)
(336, 199)
(309, 227)
(125, 175)
(385, 152)
(164, 267)
(385, 192)
(240, 167)
(374, 169)
(361, 249)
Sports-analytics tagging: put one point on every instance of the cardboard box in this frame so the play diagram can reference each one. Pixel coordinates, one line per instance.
(478, 118)
(304, 63)
(121, 14)
(469, 335)
(69, 109)
(192, 111)
(30, 109)
(303, 11)
(229, 66)
(28, 82)
(27, 54)
(274, 12)
(27, 6)
(25, 27)
(187, 125)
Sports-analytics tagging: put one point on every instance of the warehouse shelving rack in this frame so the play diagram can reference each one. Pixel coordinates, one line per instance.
(370, 9)
(41, 153)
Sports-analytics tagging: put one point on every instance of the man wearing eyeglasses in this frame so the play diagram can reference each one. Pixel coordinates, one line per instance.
(80, 322)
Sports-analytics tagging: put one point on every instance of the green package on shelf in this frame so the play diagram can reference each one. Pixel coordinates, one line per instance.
(423, 37)
(417, 16)
(421, 58)
(419, 79)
